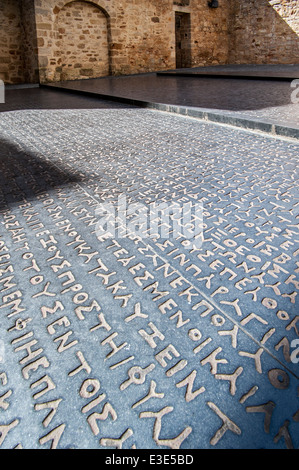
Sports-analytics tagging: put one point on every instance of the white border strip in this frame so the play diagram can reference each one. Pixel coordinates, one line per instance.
(2, 92)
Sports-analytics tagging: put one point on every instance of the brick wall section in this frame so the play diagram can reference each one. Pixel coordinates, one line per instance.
(11, 51)
(29, 39)
(54, 40)
(141, 36)
(209, 28)
(264, 32)
(18, 43)
(82, 43)
(68, 35)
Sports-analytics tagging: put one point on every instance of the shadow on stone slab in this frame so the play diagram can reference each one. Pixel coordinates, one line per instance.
(21, 169)
(38, 98)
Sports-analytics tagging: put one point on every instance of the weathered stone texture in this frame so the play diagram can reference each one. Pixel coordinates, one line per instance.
(209, 27)
(52, 40)
(84, 39)
(264, 32)
(30, 45)
(11, 53)
(81, 43)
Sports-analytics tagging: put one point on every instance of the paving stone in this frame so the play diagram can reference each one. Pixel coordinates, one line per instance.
(136, 341)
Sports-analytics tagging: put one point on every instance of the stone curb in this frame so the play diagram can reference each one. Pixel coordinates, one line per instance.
(199, 113)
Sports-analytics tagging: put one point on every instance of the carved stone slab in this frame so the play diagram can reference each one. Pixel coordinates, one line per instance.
(139, 342)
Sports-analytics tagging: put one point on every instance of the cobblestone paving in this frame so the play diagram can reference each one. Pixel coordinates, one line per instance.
(146, 342)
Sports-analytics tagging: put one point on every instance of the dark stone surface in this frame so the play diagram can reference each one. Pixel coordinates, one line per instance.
(267, 72)
(225, 315)
(262, 101)
(17, 99)
(234, 95)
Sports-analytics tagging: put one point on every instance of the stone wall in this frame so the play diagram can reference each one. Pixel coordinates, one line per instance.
(82, 42)
(29, 42)
(209, 31)
(133, 37)
(264, 32)
(18, 43)
(130, 37)
(11, 50)
(52, 40)
(142, 37)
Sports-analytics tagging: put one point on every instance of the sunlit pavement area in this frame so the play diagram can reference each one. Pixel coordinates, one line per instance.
(133, 341)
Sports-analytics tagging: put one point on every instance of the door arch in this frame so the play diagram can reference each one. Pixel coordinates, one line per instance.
(82, 40)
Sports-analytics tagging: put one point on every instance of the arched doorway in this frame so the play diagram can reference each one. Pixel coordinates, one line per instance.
(82, 37)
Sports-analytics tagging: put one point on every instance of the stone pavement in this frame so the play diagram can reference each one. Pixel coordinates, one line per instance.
(283, 72)
(260, 104)
(139, 342)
